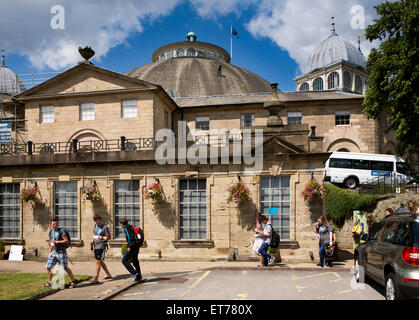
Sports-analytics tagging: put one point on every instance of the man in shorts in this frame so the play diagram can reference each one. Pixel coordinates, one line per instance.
(99, 244)
(58, 253)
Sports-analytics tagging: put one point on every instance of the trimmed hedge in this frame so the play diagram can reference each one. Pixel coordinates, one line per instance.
(340, 204)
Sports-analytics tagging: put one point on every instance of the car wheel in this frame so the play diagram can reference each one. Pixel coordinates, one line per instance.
(392, 290)
(351, 183)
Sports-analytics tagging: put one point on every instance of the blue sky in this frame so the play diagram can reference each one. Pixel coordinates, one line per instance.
(275, 36)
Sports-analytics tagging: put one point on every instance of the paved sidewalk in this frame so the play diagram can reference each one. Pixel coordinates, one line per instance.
(150, 270)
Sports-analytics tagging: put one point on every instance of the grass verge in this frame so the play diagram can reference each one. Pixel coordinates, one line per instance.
(17, 286)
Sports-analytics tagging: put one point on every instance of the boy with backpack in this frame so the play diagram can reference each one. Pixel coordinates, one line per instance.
(99, 244)
(133, 248)
(265, 257)
(59, 242)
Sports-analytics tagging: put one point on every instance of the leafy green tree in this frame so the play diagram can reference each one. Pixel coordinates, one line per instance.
(393, 71)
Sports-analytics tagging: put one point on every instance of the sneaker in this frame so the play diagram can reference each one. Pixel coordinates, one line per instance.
(271, 260)
(137, 279)
(132, 276)
(319, 265)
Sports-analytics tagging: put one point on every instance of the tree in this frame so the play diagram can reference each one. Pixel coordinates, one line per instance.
(393, 71)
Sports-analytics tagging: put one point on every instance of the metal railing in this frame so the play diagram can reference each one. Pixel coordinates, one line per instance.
(393, 183)
(75, 146)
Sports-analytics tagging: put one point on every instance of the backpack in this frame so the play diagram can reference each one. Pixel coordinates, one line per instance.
(63, 232)
(140, 235)
(274, 239)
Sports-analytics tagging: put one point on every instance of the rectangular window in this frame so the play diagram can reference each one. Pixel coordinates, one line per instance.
(295, 117)
(65, 206)
(202, 123)
(9, 211)
(381, 165)
(127, 204)
(193, 209)
(340, 163)
(129, 108)
(87, 111)
(275, 193)
(342, 118)
(247, 120)
(361, 164)
(47, 114)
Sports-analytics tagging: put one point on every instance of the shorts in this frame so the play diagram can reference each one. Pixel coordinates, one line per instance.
(55, 257)
(99, 254)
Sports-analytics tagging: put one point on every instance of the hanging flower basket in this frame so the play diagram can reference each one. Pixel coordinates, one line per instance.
(238, 192)
(91, 193)
(154, 192)
(29, 196)
(313, 190)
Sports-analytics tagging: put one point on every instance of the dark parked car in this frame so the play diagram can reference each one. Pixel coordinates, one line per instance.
(390, 256)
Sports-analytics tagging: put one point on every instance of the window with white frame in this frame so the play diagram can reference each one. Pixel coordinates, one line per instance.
(318, 84)
(87, 111)
(193, 209)
(47, 114)
(342, 118)
(202, 123)
(275, 194)
(127, 204)
(294, 117)
(333, 80)
(247, 120)
(305, 87)
(129, 108)
(66, 206)
(9, 210)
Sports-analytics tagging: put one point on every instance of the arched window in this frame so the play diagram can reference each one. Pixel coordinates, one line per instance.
(358, 84)
(180, 52)
(347, 80)
(304, 87)
(333, 80)
(191, 52)
(318, 84)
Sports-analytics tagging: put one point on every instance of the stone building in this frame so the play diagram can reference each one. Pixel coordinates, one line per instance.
(93, 127)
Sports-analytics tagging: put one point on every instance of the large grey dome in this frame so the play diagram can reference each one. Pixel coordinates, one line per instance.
(192, 69)
(332, 50)
(9, 81)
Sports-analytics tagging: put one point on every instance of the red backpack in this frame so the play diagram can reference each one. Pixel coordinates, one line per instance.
(140, 235)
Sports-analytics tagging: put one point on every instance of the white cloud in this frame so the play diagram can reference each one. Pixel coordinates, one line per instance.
(299, 26)
(295, 26)
(102, 24)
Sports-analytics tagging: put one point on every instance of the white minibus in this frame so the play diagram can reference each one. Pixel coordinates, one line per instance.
(353, 169)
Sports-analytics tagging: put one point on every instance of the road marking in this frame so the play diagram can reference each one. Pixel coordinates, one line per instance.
(242, 296)
(135, 294)
(310, 276)
(345, 291)
(195, 283)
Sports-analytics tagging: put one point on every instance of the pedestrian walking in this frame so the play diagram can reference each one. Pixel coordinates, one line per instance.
(99, 244)
(58, 252)
(133, 248)
(265, 257)
(257, 238)
(326, 238)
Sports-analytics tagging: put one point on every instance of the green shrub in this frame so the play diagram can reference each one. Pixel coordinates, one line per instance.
(340, 204)
(1, 246)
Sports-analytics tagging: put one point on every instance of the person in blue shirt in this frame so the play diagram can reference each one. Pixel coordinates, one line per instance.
(133, 248)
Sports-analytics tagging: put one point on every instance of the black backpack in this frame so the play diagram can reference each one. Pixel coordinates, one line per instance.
(140, 235)
(275, 238)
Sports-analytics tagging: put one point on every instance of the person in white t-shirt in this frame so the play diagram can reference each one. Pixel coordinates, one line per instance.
(257, 238)
(265, 257)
